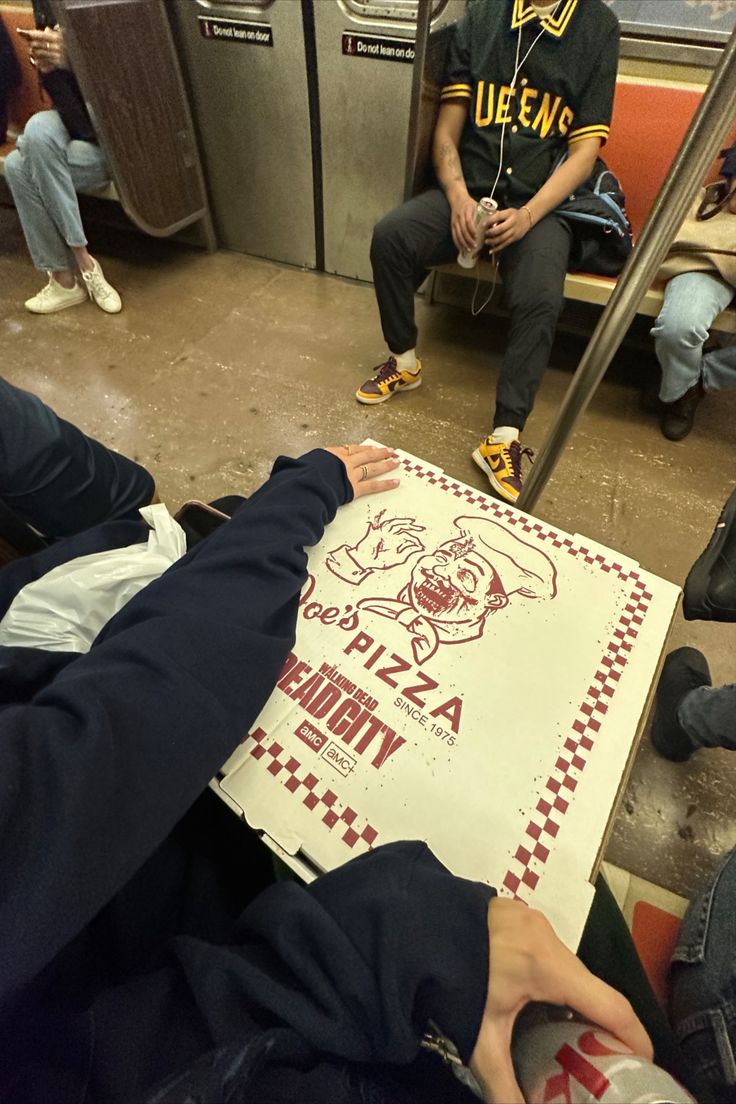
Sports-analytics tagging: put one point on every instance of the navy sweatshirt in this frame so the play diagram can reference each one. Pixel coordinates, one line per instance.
(58, 479)
(101, 755)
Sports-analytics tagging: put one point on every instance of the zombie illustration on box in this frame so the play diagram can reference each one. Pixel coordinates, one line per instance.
(386, 543)
(452, 591)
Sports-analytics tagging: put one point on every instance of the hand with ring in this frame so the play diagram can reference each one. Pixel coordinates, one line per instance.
(365, 464)
(47, 50)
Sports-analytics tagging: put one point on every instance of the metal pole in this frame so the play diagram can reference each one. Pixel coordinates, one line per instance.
(424, 25)
(699, 148)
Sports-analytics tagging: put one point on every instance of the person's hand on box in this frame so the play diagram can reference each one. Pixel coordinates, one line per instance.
(365, 464)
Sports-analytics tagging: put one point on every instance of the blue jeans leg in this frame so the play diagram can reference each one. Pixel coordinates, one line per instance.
(719, 369)
(703, 988)
(708, 715)
(691, 302)
(44, 174)
(48, 249)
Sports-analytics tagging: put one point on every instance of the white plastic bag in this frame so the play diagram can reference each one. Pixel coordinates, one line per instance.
(65, 609)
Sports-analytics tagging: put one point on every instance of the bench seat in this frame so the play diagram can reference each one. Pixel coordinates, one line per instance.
(584, 287)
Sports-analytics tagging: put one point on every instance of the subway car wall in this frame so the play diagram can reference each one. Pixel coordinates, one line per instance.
(302, 112)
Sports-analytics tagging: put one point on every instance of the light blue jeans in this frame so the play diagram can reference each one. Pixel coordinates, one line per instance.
(44, 174)
(691, 303)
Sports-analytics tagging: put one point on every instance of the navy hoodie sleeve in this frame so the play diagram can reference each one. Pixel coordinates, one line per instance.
(97, 768)
(55, 477)
(349, 969)
(360, 961)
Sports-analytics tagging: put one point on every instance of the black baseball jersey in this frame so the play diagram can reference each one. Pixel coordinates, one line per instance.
(563, 92)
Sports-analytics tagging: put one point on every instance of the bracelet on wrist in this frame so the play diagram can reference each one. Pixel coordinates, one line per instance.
(531, 217)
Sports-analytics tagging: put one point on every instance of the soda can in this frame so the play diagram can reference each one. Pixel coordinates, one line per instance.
(486, 207)
(560, 1059)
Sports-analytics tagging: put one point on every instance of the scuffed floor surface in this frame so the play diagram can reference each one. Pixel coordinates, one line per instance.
(218, 363)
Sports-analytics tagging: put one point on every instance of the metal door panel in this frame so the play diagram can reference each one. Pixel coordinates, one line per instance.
(252, 109)
(364, 113)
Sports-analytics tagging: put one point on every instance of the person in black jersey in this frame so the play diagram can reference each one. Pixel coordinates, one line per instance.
(56, 156)
(526, 82)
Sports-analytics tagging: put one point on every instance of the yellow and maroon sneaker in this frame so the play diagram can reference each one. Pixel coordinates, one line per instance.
(501, 462)
(387, 380)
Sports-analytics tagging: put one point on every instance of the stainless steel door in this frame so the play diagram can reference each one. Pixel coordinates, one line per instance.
(247, 74)
(364, 63)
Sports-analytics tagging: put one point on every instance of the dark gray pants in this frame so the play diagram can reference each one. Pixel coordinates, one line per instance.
(708, 715)
(416, 236)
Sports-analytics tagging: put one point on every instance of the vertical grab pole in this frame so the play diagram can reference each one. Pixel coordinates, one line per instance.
(699, 148)
(424, 21)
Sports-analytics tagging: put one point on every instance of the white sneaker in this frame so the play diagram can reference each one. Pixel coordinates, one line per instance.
(100, 291)
(54, 297)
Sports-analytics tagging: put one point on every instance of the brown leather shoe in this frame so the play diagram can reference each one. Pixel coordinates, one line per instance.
(676, 418)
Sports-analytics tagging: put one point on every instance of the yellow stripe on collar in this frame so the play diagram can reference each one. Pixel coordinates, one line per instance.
(555, 24)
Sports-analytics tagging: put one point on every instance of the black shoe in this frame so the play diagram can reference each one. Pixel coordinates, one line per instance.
(676, 418)
(710, 588)
(684, 669)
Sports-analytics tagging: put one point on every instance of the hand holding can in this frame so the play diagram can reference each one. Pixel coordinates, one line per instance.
(483, 212)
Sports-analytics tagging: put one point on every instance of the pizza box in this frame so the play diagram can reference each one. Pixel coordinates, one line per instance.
(464, 674)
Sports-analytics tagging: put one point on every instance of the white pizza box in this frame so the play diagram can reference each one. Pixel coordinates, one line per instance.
(464, 674)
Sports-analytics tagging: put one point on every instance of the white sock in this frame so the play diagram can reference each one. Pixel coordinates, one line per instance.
(507, 434)
(407, 361)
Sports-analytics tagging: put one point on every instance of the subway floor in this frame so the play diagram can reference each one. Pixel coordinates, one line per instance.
(219, 363)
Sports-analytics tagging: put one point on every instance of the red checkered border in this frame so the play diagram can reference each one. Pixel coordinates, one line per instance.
(538, 838)
(317, 798)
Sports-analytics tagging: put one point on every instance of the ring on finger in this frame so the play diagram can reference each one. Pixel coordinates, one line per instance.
(364, 472)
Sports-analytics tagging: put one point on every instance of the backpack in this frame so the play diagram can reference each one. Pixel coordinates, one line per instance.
(601, 232)
(718, 195)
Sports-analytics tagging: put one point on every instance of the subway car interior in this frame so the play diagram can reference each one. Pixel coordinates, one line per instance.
(252, 146)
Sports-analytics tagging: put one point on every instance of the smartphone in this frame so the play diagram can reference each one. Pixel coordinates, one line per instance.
(198, 520)
(43, 13)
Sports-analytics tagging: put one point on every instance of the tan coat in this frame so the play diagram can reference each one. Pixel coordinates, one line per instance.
(693, 248)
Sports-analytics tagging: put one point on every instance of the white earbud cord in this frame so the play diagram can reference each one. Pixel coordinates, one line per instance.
(475, 311)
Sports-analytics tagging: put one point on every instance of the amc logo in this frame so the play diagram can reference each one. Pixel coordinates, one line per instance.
(339, 759)
(311, 736)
